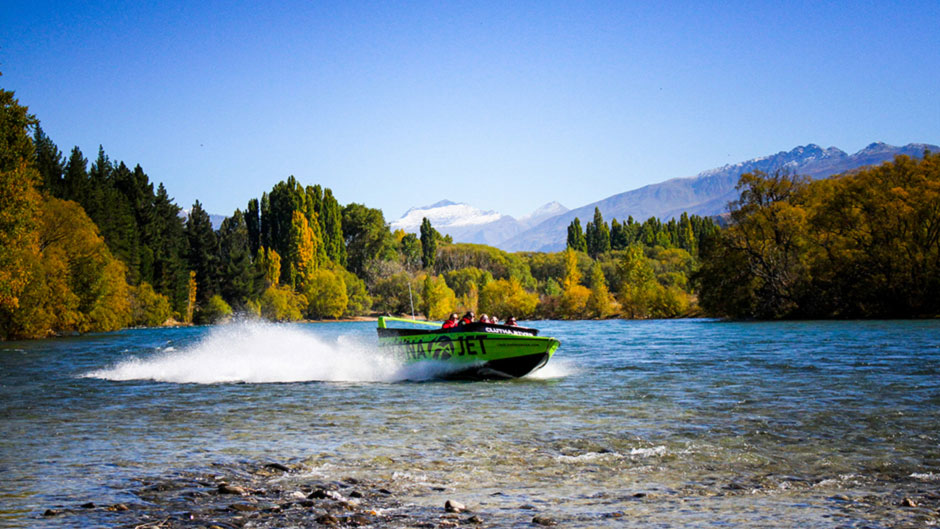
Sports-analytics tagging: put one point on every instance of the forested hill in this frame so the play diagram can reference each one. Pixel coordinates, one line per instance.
(97, 247)
(709, 192)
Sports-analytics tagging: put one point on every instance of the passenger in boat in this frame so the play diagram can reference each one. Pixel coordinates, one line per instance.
(467, 318)
(511, 321)
(484, 318)
(451, 321)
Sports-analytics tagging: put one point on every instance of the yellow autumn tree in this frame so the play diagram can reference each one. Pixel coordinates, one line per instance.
(507, 297)
(75, 284)
(19, 201)
(574, 295)
(438, 300)
(598, 303)
(303, 251)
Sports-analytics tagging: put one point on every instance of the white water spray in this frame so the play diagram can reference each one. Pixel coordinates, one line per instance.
(261, 352)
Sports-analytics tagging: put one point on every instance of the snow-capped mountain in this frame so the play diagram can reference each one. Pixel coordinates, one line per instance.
(466, 223)
(445, 214)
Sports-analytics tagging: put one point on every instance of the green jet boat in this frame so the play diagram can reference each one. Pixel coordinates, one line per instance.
(477, 350)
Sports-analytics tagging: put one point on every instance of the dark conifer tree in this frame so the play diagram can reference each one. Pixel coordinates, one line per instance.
(203, 253)
(170, 271)
(49, 162)
(237, 271)
(75, 183)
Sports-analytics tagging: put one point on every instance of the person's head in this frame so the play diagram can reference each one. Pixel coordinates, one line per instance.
(469, 314)
(511, 320)
(453, 316)
(484, 318)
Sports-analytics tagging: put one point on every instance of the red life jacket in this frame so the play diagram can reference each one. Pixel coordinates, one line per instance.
(449, 324)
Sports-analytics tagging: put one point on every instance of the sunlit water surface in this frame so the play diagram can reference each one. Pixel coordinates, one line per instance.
(656, 423)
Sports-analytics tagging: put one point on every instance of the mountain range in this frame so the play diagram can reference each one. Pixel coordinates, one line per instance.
(706, 194)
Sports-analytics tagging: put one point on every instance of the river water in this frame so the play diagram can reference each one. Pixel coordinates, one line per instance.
(683, 423)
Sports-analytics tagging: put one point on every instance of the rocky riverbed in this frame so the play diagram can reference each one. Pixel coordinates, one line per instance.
(268, 495)
(276, 495)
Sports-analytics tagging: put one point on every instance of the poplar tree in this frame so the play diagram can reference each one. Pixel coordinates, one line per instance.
(598, 236)
(576, 239)
(428, 244)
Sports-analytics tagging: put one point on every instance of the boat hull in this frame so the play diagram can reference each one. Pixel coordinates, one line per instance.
(478, 351)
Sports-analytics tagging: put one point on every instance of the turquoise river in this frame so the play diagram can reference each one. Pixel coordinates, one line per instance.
(684, 423)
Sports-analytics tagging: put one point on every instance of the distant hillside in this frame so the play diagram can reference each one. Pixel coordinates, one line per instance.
(706, 194)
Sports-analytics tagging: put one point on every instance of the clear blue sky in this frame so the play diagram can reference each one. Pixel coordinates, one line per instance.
(504, 105)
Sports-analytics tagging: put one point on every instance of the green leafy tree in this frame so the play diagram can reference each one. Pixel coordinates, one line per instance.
(410, 249)
(326, 295)
(638, 286)
(149, 308)
(359, 300)
(216, 310)
(367, 238)
(279, 303)
(331, 218)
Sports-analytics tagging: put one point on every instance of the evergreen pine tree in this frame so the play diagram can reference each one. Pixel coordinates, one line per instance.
(49, 162)
(170, 246)
(202, 255)
(236, 269)
(75, 183)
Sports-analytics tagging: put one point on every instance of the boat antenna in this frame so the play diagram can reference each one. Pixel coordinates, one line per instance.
(411, 299)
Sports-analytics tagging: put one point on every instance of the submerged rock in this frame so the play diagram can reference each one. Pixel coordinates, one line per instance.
(454, 506)
(544, 520)
(225, 488)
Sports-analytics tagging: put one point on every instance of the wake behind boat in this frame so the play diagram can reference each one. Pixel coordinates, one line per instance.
(478, 350)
